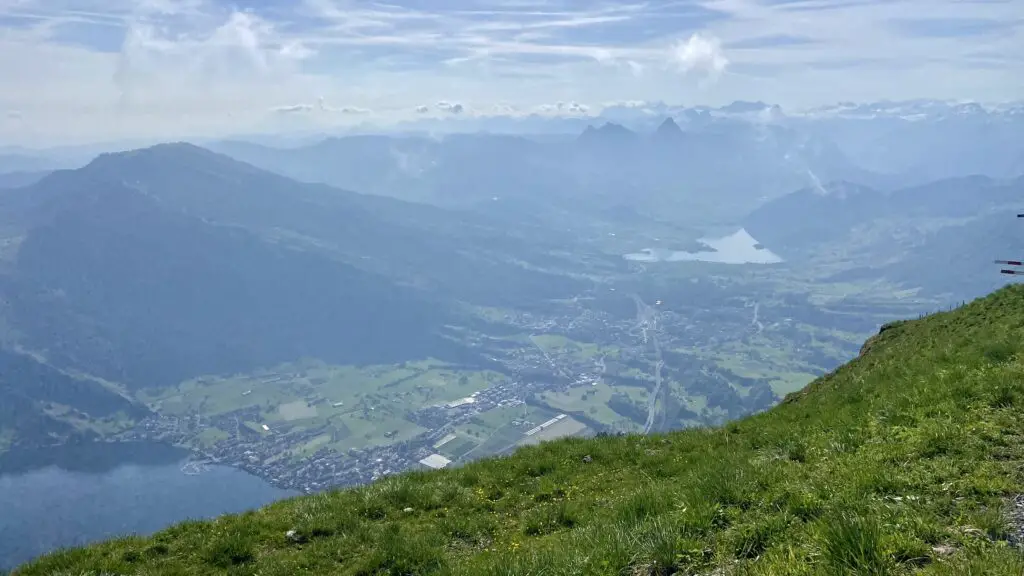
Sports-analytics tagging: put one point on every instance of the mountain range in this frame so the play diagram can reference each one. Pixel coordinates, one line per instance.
(912, 141)
(21, 178)
(148, 267)
(718, 171)
(127, 272)
(751, 150)
(940, 238)
(802, 219)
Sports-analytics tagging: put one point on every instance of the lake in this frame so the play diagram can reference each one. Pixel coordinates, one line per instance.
(737, 248)
(76, 494)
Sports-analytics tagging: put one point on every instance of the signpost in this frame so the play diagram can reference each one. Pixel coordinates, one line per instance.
(1012, 262)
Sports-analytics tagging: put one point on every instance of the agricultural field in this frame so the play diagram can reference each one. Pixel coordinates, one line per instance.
(593, 401)
(562, 427)
(503, 429)
(356, 407)
(557, 344)
(283, 394)
(789, 357)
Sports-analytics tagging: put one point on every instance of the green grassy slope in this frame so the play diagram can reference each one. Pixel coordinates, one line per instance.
(905, 460)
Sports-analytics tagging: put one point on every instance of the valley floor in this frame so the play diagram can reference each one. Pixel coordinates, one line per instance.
(906, 460)
(309, 425)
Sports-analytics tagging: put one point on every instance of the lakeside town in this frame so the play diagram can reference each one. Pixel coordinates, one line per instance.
(307, 458)
(261, 454)
(263, 450)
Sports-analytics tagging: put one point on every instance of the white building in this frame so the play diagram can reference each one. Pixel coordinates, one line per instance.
(435, 461)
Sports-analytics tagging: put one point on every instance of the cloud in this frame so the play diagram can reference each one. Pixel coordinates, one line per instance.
(566, 108)
(321, 107)
(213, 59)
(449, 107)
(701, 53)
(770, 41)
(354, 110)
(86, 70)
(505, 109)
(954, 27)
(293, 108)
(628, 104)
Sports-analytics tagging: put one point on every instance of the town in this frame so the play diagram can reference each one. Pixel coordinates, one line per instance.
(299, 456)
(261, 454)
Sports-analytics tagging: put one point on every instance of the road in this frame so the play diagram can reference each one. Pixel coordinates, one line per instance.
(756, 321)
(647, 318)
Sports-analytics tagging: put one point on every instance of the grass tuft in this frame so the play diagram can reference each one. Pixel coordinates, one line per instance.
(853, 545)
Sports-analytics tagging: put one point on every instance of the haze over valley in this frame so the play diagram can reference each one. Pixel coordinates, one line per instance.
(318, 336)
(287, 302)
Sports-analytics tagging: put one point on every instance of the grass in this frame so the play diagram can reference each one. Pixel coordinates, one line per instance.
(902, 461)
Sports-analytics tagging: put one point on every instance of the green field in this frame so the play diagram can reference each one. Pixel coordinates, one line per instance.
(558, 344)
(378, 428)
(593, 401)
(414, 384)
(458, 448)
(363, 407)
(773, 356)
(565, 428)
(211, 436)
(496, 431)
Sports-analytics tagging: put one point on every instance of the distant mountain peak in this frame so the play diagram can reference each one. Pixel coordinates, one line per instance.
(740, 106)
(608, 132)
(158, 149)
(180, 155)
(613, 130)
(668, 129)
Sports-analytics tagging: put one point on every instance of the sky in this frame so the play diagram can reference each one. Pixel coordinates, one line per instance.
(93, 70)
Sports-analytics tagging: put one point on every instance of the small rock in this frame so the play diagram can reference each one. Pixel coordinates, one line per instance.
(642, 570)
(587, 459)
(294, 536)
(943, 550)
(407, 510)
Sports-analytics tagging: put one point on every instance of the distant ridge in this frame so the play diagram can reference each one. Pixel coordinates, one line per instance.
(608, 132)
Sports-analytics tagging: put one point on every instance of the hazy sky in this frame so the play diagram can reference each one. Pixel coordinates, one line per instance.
(98, 69)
